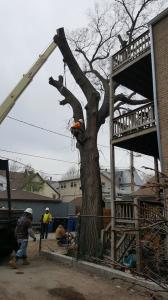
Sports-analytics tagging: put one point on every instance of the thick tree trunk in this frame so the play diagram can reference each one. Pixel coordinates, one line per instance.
(91, 199)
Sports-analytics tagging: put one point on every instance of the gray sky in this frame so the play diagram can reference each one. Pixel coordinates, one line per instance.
(26, 29)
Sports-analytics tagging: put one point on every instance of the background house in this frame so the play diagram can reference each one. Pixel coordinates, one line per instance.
(32, 182)
(31, 190)
(70, 189)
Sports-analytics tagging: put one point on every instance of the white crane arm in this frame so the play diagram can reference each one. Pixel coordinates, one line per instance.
(9, 102)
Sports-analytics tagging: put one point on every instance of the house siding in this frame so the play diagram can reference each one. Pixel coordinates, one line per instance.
(69, 193)
(70, 189)
(46, 190)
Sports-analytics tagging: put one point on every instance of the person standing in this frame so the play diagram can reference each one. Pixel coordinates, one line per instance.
(45, 221)
(22, 232)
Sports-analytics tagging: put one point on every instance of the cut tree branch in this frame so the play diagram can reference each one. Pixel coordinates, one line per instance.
(87, 88)
(69, 97)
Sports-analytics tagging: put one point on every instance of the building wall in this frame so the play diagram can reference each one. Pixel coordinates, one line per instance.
(70, 189)
(160, 39)
(45, 190)
(58, 210)
(3, 183)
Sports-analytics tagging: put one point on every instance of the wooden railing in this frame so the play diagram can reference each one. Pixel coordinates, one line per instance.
(138, 119)
(129, 213)
(136, 48)
(124, 211)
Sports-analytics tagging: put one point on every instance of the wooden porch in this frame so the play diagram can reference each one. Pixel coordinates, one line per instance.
(131, 66)
(136, 131)
(131, 217)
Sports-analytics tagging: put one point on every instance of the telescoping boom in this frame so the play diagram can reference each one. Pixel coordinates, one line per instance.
(9, 102)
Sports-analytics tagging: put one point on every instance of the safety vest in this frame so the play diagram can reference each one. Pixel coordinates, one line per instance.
(76, 125)
(47, 218)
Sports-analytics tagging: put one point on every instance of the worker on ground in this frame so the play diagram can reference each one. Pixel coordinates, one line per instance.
(23, 231)
(61, 236)
(45, 221)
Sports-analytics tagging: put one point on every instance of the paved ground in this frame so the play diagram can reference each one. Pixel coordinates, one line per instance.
(44, 280)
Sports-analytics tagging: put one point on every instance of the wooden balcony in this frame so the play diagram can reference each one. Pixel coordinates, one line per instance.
(135, 120)
(136, 49)
(131, 66)
(136, 131)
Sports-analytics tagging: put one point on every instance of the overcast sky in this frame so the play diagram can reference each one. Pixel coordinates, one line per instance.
(26, 29)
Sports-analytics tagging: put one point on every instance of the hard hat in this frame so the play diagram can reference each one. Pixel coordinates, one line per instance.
(29, 210)
(47, 208)
(81, 121)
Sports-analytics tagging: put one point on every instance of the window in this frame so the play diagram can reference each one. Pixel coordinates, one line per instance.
(1, 184)
(73, 184)
(63, 185)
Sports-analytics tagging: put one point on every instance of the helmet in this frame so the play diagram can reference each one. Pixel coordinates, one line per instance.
(81, 121)
(29, 210)
(47, 208)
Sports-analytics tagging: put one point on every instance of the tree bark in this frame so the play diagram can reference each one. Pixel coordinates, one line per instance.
(91, 199)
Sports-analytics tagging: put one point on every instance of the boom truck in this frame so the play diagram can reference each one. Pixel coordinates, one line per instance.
(9, 216)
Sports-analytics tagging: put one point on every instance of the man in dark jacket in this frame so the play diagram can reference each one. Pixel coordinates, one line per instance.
(23, 231)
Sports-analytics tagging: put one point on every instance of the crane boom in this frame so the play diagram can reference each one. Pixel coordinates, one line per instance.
(9, 102)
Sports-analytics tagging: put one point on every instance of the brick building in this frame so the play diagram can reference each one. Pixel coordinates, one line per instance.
(142, 67)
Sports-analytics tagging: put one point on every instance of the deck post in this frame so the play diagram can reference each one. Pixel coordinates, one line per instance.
(112, 169)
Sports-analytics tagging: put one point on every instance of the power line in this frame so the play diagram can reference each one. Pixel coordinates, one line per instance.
(37, 156)
(25, 165)
(47, 130)
(63, 135)
(39, 127)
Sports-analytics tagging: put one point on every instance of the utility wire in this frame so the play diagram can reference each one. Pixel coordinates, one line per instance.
(25, 165)
(45, 129)
(37, 156)
(39, 127)
(61, 134)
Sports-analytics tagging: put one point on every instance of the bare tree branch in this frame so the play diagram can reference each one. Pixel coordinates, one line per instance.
(69, 97)
(76, 71)
(126, 100)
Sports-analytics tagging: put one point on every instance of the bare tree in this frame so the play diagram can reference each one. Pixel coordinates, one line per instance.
(134, 15)
(94, 45)
(71, 173)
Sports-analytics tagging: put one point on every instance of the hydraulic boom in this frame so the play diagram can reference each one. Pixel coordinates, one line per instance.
(9, 102)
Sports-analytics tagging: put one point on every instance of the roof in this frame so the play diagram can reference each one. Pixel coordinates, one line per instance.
(106, 173)
(148, 189)
(69, 179)
(160, 16)
(54, 185)
(23, 195)
(19, 179)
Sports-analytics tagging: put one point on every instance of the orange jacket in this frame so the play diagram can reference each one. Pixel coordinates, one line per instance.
(76, 125)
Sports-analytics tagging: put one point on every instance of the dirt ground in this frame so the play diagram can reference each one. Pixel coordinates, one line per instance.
(44, 280)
